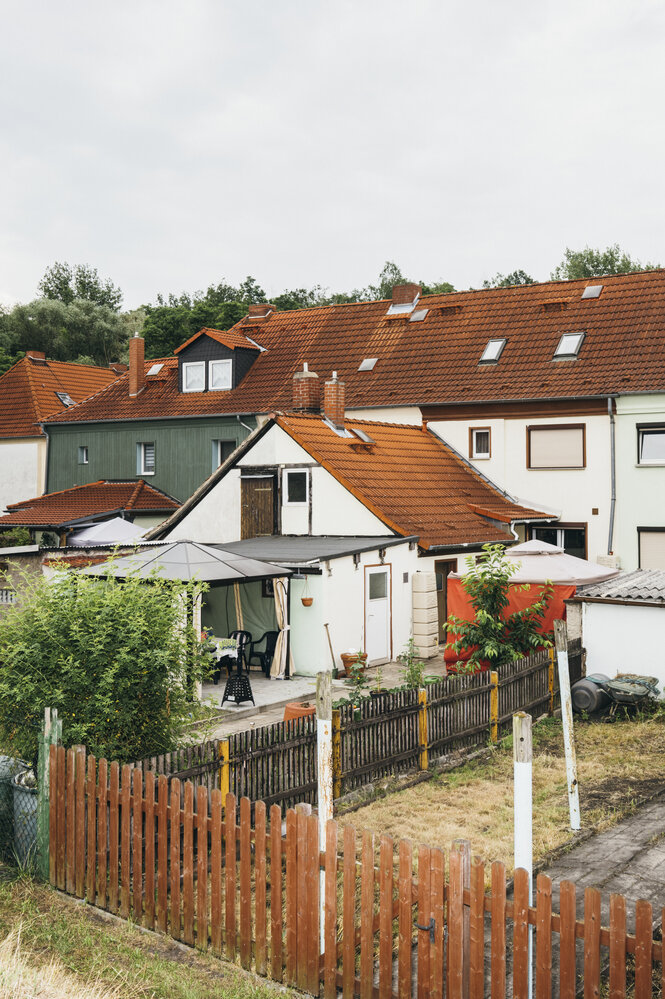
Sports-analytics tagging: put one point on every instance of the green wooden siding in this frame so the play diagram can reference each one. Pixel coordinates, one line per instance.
(183, 452)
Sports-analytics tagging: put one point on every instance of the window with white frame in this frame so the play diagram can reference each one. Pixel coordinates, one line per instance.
(569, 345)
(296, 486)
(220, 375)
(480, 441)
(651, 445)
(83, 454)
(145, 458)
(194, 376)
(221, 450)
(493, 351)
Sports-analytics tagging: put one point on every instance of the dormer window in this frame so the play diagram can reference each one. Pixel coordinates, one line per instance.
(492, 351)
(220, 375)
(569, 346)
(194, 376)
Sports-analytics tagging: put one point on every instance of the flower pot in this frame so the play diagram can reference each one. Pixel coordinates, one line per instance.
(307, 601)
(298, 709)
(354, 661)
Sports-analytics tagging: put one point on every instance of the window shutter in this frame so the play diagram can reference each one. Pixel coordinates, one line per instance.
(560, 447)
(652, 549)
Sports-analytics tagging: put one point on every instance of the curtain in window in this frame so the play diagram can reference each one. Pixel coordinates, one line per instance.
(278, 668)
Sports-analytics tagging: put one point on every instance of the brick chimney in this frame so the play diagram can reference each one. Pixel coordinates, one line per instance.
(38, 355)
(406, 294)
(306, 390)
(136, 365)
(260, 311)
(333, 400)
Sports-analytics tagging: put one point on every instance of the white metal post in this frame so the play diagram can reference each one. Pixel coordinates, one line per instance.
(324, 761)
(561, 642)
(523, 810)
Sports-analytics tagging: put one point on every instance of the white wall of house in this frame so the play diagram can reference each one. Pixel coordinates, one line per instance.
(571, 493)
(640, 488)
(275, 448)
(216, 518)
(22, 469)
(624, 638)
(387, 414)
(337, 511)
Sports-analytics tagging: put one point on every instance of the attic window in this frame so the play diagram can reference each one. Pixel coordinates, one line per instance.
(569, 345)
(592, 291)
(364, 437)
(492, 351)
(368, 364)
(65, 398)
(155, 369)
(403, 308)
(418, 315)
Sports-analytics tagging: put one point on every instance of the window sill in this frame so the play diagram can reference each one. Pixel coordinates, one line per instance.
(480, 457)
(142, 475)
(650, 464)
(558, 468)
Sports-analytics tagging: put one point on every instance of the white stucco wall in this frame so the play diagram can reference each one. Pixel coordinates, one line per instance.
(22, 469)
(336, 511)
(621, 638)
(275, 448)
(387, 414)
(216, 518)
(640, 488)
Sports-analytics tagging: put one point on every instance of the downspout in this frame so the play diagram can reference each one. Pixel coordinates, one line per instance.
(48, 455)
(613, 475)
(249, 429)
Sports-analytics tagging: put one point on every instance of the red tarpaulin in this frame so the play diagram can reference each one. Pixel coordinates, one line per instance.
(459, 605)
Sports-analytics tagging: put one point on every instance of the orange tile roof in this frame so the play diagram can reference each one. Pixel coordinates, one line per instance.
(411, 480)
(230, 338)
(87, 502)
(27, 392)
(436, 360)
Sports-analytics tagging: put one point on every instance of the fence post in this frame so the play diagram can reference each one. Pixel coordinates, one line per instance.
(51, 734)
(337, 753)
(561, 641)
(550, 681)
(494, 706)
(463, 846)
(523, 812)
(224, 770)
(423, 762)
(324, 765)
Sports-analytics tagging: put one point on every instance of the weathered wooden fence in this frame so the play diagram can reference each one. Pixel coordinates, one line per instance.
(381, 735)
(397, 922)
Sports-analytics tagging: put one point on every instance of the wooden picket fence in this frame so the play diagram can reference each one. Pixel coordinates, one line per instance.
(381, 735)
(396, 922)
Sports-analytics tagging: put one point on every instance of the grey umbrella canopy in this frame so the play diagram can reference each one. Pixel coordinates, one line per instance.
(185, 560)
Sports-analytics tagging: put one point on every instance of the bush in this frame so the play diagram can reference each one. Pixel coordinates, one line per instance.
(113, 656)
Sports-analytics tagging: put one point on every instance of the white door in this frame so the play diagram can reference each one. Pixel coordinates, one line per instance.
(377, 613)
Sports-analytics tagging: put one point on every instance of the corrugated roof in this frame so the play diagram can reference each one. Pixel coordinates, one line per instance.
(641, 585)
(88, 502)
(436, 360)
(28, 392)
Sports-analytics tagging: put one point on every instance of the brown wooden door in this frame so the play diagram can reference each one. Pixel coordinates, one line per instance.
(442, 569)
(257, 506)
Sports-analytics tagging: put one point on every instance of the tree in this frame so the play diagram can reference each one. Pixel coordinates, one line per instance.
(64, 283)
(589, 263)
(440, 288)
(8, 360)
(110, 655)
(495, 636)
(508, 280)
(65, 332)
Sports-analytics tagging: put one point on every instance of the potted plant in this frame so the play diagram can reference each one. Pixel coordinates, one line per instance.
(305, 598)
(354, 661)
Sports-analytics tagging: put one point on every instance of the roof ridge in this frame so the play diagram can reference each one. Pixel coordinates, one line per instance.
(135, 494)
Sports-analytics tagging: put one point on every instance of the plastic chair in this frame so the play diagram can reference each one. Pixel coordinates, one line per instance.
(263, 658)
(243, 638)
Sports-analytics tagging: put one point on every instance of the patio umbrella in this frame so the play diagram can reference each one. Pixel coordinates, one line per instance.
(188, 560)
(108, 532)
(540, 561)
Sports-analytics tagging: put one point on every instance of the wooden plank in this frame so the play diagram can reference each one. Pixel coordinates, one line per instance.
(188, 865)
(137, 845)
(61, 848)
(125, 843)
(543, 937)
(385, 918)
(617, 947)
(404, 944)
(53, 814)
(313, 911)
(260, 907)
(149, 893)
(291, 896)
(245, 883)
(102, 832)
(477, 930)
(302, 911)
(91, 832)
(643, 949)
(330, 913)
(366, 916)
(455, 926)
(71, 822)
(423, 920)
(216, 923)
(521, 935)
(175, 859)
(568, 915)
(349, 913)
(437, 910)
(591, 943)
(498, 934)
(114, 835)
(230, 860)
(276, 949)
(202, 867)
(80, 822)
(162, 853)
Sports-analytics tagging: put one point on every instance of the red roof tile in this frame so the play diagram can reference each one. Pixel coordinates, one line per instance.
(436, 360)
(28, 392)
(86, 502)
(230, 338)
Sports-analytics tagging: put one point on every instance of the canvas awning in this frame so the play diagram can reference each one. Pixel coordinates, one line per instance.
(115, 531)
(188, 560)
(540, 561)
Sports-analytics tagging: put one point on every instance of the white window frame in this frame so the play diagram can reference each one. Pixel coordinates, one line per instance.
(228, 364)
(285, 486)
(193, 364)
(561, 353)
(641, 431)
(477, 455)
(217, 450)
(83, 454)
(140, 458)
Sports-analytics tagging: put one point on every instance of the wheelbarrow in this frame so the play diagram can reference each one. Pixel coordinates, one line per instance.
(597, 692)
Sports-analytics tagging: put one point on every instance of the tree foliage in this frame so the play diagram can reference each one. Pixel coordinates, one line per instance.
(508, 280)
(64, 331)
(112, 656)
(494, 635)
(590, 262)
(64, 283)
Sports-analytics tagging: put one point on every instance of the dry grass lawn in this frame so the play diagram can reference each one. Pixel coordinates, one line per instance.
(619, 764)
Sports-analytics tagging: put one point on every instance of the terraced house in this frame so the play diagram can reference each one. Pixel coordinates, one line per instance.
(555, 392)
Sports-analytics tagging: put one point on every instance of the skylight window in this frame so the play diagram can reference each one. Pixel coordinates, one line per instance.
(368, 364)
(592, 291)
(418, 315)
(155, 369)
(492, 351)
(364, 437)
(65, 398)
(569, 345)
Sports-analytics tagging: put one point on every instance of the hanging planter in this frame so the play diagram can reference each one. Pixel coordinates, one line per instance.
(305, 598)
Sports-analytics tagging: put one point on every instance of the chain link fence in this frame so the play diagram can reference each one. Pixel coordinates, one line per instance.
(18, 813)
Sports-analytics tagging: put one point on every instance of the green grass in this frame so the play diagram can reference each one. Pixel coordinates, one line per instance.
(111, 954)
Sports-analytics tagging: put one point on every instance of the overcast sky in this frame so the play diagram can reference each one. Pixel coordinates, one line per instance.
(176, 144)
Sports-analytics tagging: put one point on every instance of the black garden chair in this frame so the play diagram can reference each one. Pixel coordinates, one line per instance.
(263, 657)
